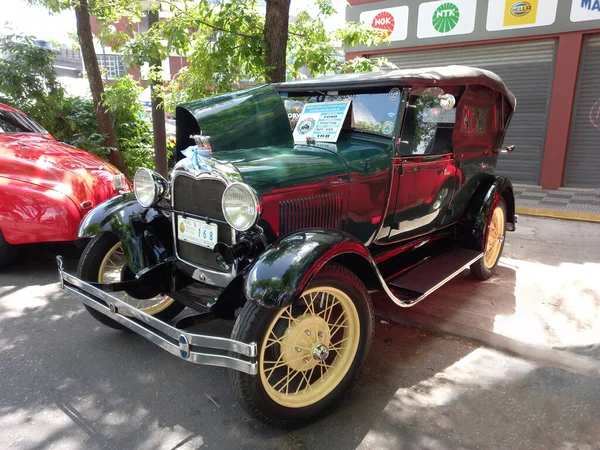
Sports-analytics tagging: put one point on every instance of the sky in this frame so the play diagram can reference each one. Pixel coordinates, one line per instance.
(36, 21)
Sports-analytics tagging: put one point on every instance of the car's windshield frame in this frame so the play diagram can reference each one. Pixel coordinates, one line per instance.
(392, 94)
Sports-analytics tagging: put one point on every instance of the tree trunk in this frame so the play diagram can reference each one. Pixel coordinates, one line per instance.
(276, 36)
(90, 61)
(159, 130)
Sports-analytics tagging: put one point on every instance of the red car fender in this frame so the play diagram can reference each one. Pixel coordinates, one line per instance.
(30, 213)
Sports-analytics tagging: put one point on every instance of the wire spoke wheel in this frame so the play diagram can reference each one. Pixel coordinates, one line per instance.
(495, 238)
(309, 347)
(111, 271)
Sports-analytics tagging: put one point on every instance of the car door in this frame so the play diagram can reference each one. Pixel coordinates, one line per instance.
(425, 165)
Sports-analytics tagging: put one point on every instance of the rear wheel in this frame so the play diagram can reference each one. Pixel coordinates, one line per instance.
(103, 261)
(485, 267)
(7, 251)
(310, 353)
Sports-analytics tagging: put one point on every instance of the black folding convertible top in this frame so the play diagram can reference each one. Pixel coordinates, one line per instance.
(440, 76)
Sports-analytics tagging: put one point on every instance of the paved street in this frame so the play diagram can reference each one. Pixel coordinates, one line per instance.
(67, 382)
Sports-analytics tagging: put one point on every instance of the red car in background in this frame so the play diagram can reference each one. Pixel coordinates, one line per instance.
(46, 187)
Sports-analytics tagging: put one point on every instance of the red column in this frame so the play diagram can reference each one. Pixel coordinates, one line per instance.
(561, 109)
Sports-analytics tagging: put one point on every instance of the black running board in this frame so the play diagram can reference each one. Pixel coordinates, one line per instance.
(413, 286)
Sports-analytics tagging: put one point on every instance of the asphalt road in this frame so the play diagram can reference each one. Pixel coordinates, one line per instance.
(67, 382)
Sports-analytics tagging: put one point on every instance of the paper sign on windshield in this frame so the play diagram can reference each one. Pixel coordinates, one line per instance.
(321, 121)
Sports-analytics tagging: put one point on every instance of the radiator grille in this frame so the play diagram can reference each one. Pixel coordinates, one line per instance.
(201, 197)
(318, 211)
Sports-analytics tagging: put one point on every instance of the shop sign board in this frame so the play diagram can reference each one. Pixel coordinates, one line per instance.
(391, 22)
(446, 18)
(510, 14)
(415, 23)
(584, 10)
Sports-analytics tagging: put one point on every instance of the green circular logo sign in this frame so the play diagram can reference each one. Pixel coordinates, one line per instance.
(445, 17)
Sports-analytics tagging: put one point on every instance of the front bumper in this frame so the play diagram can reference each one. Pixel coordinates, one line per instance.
(167, 337)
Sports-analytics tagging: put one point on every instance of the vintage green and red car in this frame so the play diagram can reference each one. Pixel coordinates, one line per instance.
(384, 182)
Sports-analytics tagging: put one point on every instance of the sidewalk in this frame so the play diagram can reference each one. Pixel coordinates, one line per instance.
(565, 203)
(543, 304)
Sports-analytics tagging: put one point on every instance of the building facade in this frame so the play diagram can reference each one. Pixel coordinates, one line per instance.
(546, 51)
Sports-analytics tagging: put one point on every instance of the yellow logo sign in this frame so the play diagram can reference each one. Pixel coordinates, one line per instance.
(520, 13)
(181, 227)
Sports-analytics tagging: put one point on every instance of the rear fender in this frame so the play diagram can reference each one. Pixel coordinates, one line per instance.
(145, 233)
(282, 272)
(473, 223)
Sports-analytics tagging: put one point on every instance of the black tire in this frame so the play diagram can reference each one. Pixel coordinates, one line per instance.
(479, 269)
(251, 326)
(89, 267)
(7, 251)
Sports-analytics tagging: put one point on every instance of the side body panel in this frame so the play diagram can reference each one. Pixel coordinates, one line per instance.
(145, 233)
(31, 213)
(424, 193)
(480, 126)
(369, 166)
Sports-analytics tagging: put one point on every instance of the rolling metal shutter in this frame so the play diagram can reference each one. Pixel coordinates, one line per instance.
(583, 153)
(527, 68)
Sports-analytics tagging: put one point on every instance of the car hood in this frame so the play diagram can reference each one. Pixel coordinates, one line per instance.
(244, 119)
(268, 169)
(41, 160)
(250, 130)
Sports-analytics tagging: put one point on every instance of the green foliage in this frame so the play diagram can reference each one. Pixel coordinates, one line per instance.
(133, 131)
(73, 120)
(27, 76)
(225, 47)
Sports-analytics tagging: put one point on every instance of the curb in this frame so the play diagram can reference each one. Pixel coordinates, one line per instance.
(558, 214)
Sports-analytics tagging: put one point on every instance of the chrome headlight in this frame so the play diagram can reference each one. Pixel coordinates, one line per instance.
(149, 187)
(240, 206)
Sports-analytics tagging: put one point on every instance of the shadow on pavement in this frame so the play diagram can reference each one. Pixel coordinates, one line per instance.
(67, 381)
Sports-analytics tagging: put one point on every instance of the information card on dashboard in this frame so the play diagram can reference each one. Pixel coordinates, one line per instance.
(321, 121)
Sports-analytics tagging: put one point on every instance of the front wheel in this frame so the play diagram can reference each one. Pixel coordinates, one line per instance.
(103, 261)
(310, 353)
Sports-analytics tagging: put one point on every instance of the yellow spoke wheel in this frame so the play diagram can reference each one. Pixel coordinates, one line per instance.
(110, 271)
(103, 261)
(495, 238)
(309, 348)
(493, 243)
(310, 352)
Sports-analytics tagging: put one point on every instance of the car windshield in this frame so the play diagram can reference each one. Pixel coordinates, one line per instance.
(373, 112)
(13, 122)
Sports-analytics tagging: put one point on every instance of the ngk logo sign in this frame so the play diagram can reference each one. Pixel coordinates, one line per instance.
(392, 22)
(385, 22)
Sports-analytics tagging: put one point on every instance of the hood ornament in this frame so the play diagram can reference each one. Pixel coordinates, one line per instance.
(198, 156)
(202, 141)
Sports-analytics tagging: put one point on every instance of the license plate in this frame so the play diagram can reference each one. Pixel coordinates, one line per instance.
(118, 182)
(197, 232)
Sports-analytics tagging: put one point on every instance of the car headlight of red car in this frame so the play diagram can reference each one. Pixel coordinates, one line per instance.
(149, 187)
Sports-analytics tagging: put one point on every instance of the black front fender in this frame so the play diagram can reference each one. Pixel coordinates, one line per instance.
(472, 225)
(145, 233)
(280, 274)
